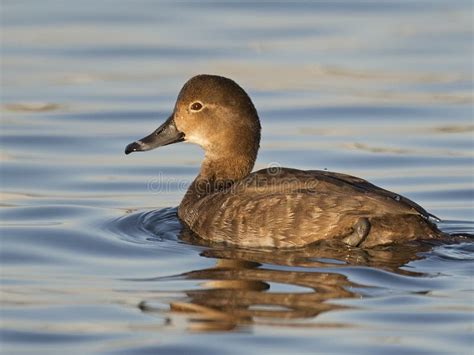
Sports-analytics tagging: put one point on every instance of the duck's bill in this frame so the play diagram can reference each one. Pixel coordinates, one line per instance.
(166, 134)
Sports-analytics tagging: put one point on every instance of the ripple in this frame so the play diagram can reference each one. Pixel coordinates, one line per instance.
(147, 227)
(462, 252)
(32, 107)
(49, 214)
(461, 228)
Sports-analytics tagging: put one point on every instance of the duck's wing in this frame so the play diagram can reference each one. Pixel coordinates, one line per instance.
(368, 187)
(292, 180)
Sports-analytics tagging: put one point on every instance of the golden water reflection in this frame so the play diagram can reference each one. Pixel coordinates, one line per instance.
(278, 288)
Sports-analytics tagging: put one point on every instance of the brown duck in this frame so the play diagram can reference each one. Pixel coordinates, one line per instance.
(275, 207)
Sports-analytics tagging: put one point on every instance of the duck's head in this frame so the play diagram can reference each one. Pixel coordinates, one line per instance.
(213, 112)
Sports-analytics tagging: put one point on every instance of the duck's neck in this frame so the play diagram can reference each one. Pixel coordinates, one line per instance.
(223, 171)
(215, 175)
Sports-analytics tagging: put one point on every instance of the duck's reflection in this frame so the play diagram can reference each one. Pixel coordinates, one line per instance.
(238, 292)
(278, 287)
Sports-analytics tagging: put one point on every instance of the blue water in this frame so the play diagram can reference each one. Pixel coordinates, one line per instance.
(92, 256)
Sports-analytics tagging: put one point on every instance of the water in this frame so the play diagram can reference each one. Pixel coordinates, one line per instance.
(92, 260)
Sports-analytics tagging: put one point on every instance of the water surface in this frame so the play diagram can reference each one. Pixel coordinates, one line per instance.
(92, 260)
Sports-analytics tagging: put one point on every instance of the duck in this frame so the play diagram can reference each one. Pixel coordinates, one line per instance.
(275, 207)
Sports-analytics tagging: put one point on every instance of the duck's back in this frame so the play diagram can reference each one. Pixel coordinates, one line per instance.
(292, 208)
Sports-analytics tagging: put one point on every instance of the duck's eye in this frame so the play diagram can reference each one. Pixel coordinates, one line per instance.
(196, 106)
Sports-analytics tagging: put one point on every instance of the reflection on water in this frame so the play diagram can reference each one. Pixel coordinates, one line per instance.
(236, 293)
(239, 290)
(93, 256)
